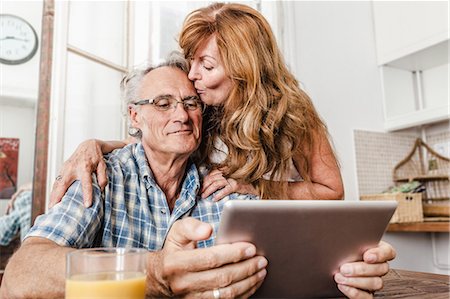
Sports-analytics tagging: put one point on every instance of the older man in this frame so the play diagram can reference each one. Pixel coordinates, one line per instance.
(152, 184)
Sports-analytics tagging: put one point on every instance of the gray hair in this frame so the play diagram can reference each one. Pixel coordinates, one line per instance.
(131, 83)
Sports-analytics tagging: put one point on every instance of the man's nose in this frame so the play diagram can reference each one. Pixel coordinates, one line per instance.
(180, 112)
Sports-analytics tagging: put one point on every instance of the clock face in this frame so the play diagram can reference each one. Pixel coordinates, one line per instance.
(18, 40)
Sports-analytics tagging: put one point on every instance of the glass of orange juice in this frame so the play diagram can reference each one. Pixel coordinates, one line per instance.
(100, 273)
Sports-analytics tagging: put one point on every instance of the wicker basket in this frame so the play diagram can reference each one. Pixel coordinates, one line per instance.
(409, 207)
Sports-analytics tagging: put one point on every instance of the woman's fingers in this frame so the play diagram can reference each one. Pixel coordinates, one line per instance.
(102, 177)
(87, 158)
(226, 190)
(214, 181)
(60, 186)
(86, 186)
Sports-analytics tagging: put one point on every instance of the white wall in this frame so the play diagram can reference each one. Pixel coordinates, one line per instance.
(19, 92)
(22, 80)
(336, 63)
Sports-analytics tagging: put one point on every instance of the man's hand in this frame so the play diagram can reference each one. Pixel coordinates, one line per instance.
(362, 279)
(181, 270)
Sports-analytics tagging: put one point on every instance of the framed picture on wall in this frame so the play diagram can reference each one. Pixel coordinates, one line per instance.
(9, 162)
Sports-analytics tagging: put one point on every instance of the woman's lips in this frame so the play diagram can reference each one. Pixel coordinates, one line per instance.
(200, 89)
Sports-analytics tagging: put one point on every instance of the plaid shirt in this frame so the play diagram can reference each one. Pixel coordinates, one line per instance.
(18, 218)
(132, 212)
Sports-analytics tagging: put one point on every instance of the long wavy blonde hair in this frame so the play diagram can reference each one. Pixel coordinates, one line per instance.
(267, 117)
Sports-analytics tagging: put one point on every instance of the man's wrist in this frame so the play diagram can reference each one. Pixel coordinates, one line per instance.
(157, 285)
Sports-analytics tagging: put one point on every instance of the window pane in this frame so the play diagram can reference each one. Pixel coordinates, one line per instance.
(99, 28)
(93, 105)
(167, 18)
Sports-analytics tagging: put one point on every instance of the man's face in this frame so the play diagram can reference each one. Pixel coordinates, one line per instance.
(176, 131)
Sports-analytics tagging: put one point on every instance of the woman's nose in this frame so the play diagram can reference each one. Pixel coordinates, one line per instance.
(193, 73)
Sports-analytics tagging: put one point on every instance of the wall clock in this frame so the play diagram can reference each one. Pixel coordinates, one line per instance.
(18, 40)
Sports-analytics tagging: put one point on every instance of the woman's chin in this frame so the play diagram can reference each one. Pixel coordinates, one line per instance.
(210, 101)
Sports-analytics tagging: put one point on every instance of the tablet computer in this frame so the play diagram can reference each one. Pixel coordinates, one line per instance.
(305, 241)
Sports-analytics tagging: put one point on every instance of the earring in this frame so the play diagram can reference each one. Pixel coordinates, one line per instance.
(135, 132)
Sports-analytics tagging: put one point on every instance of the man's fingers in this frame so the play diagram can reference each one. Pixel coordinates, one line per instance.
(86, 186)
(183, 232)
(232, 279)
(243, 288)
(362, 269)
(363, 283)
(382, 253)
(252, 290)
(354, 293)
(208, 258)
(102, 178)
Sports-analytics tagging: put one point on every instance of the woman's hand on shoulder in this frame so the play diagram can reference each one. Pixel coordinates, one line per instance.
(215, 181)
(87, 159)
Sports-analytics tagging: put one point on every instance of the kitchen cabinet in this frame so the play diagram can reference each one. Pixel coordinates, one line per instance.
(412, 40)
(406, 27)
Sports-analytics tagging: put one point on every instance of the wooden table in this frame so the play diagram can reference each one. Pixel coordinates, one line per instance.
(408, 284)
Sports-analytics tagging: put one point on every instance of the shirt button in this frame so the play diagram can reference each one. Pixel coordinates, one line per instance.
(163, 211)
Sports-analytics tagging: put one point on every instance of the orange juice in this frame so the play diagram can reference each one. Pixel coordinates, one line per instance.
(123, 285)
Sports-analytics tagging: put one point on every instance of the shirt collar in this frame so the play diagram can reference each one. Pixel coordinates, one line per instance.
(191, 182)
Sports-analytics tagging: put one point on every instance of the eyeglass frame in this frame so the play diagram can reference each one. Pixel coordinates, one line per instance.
(151, 101)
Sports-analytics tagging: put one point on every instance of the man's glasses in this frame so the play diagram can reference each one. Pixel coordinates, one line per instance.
(167, 102)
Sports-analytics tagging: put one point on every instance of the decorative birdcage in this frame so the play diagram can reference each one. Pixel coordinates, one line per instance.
(427, 166)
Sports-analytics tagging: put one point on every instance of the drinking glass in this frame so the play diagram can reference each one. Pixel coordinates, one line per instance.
(100, 273)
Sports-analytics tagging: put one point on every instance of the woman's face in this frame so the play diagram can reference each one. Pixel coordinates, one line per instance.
(208, 74)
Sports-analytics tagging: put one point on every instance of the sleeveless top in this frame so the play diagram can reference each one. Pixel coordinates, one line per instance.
(221, 151)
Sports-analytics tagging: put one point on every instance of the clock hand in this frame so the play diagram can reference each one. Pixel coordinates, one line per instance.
(13, 37)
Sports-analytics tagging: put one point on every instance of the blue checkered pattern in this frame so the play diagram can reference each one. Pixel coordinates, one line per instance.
(132, 212)
(18, 219)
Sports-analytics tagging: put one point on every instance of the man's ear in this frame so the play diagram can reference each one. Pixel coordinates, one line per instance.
(133, 114)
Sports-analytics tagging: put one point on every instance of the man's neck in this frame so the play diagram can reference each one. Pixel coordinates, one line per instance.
(169, 172)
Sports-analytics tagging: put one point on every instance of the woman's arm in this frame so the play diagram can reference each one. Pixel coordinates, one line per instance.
(324, 172)
(87, 159)
(326, 180)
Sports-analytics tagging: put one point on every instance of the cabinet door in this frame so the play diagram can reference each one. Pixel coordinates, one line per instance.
(414, 98)
(404, 27)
